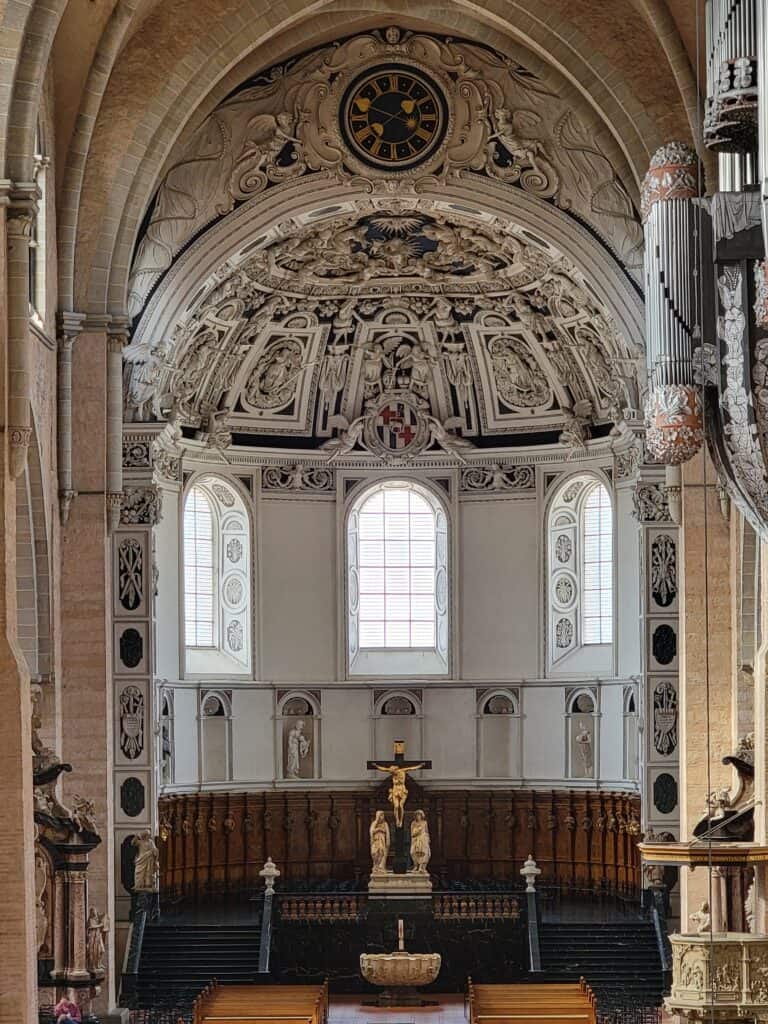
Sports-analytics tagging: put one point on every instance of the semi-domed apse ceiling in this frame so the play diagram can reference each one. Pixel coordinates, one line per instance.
(393, 245)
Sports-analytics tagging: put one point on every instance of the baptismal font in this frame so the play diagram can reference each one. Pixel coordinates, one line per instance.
(400, 972)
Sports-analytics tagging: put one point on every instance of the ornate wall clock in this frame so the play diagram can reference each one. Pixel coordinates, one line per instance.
(393, 117)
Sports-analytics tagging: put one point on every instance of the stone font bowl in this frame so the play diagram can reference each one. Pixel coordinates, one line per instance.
(400, 970)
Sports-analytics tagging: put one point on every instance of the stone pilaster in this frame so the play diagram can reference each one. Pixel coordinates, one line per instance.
(134, 782)
(705, 659)
(18, 948)
(660, 637)
(86, 627)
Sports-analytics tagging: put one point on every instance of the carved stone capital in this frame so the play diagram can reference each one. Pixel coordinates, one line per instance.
(22, 212)
(19, 440)
(114, 503)
(65, 505)
(70, 326)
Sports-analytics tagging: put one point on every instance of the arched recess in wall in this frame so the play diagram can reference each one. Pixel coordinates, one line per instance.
(217, 579)
(499, 737)
(631, 750)
(165, 752)
(33, 595)
(579, 583)
(582, 734)
(216, 735)
(398, 715)
(297, 735)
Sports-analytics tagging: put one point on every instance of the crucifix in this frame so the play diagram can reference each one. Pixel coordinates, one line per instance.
(397, 769)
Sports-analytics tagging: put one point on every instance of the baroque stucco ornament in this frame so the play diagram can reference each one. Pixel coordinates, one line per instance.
(501, 121)
(493, 332)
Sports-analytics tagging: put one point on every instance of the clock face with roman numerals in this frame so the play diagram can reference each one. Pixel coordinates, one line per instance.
(393, 116)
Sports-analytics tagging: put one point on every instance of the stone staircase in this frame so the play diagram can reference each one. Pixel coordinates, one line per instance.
(178, 960)
(620, 961)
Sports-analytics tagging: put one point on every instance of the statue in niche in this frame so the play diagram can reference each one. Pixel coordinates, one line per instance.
(584, 740)
(41, 900)
(702, 919)
(379, 835)
(147, 863)
(421, 850)
(298, 746)
(98, 930)
(749, 908)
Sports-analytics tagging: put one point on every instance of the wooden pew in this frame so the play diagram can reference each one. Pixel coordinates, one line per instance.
(532, 1004)
(262, 1004)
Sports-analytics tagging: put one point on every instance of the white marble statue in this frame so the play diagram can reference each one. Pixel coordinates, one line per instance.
(702, 919)
(147, 863)
(379, 833)
(98, 929)
(298, 748)
(421, 850)
(584, 740)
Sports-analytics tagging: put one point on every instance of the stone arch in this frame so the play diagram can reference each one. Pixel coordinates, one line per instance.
(29, 69)
(185, 277)
(110, 255)
(33, 568)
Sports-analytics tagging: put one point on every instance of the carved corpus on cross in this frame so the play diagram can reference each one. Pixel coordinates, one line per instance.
(397, 770)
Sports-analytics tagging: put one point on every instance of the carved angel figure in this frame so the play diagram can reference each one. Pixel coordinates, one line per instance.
(347, 439)
(450, 443)
(702, 919)
(84, 815)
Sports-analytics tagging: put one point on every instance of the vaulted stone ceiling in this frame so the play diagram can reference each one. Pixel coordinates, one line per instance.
(309, 260)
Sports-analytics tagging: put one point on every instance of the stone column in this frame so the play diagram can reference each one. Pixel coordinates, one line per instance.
(705, 654)
(18, 946)
(21, 218)
(86, 623)
(70, 326)
(116, 338)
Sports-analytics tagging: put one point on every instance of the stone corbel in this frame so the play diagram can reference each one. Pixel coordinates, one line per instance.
(117, 336)
(70, 326)
(21, 214)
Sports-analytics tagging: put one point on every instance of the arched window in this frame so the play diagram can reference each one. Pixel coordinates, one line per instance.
(217, 603)
(597, 543)
(397, 581)
(580, 545)
(198, 570)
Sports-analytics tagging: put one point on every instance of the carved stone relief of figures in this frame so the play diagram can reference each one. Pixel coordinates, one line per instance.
(272, 383)
(498, 478)
(297, 478)
(520, 381)
(289, 123)
(267, 362)
(665, 718)
(132, 722)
